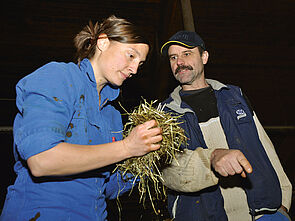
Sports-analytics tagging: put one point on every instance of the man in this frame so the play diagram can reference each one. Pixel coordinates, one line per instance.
(229, 170)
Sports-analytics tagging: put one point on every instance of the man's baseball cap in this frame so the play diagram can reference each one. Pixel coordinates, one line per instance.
(188, 39)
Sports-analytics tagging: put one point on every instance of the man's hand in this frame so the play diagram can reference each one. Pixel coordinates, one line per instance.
(230, 162)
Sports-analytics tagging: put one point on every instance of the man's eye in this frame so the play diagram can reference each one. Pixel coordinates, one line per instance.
(186, 54)
(172, 58)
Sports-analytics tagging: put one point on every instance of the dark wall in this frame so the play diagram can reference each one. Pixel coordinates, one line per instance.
(251, 44)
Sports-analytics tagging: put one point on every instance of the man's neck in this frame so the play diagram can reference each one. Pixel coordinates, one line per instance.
(198, 84)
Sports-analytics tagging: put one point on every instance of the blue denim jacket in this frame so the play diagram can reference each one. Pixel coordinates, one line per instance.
(59, 103)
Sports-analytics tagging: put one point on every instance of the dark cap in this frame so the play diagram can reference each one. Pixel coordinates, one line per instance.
(188, 39)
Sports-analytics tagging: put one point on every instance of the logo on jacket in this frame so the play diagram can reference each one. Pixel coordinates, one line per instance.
(241, 113)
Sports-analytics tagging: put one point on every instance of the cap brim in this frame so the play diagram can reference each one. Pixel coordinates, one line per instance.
(164, 48)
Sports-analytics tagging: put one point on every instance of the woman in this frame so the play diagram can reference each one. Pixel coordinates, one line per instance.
(67, 132)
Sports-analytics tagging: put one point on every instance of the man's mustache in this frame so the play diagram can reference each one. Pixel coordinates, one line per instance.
(183, 67)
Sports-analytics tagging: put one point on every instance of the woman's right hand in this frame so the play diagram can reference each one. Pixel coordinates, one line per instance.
(67, 159)
(143, 139)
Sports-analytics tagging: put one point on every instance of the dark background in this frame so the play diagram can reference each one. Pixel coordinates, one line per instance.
(251, 44)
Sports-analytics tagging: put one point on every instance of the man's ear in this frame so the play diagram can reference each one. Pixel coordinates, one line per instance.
(205, 57)
(103, 42)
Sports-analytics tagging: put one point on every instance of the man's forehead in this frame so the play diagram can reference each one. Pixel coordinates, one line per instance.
(178, 49)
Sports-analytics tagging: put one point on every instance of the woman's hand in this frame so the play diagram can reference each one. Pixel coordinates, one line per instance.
(68, 159)
(143, 139)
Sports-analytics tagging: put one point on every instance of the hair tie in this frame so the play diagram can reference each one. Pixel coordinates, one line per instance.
(92, 40)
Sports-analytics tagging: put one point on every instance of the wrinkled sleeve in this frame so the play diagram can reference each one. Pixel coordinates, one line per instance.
(117, 185)
(190, 172)
(44, 101)
(286, 186)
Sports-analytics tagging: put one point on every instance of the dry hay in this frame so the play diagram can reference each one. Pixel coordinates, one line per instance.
(147, 168)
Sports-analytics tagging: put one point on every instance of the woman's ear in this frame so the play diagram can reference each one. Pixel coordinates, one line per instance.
(103, 42)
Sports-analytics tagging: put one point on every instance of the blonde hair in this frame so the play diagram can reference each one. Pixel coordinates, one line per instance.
(117, 29)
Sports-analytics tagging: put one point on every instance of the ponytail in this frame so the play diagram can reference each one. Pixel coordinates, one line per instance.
(117, 29)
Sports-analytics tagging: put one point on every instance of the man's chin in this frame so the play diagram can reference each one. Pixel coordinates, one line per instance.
(181, 79)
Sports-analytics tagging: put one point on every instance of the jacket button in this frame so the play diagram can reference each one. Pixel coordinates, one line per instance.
(69, 134)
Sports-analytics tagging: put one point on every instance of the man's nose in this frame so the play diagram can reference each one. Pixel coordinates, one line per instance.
(180, 61)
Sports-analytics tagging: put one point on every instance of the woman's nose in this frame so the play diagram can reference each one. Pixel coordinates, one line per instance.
(133, 67)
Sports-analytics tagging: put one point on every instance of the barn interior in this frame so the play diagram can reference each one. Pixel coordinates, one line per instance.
(251, 44)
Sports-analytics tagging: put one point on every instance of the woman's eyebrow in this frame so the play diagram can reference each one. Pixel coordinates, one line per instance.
(136, 51)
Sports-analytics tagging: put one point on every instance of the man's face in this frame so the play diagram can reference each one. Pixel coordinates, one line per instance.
(187, 64)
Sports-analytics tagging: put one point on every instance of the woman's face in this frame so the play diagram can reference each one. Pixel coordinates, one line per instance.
(120, 61)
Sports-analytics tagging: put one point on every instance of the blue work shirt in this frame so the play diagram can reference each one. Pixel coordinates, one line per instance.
(59, 103)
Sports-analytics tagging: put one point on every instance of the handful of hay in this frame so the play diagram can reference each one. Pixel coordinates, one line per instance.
(147, 167)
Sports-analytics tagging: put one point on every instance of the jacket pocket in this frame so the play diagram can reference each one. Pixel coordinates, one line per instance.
(239, 111)
(77, 129)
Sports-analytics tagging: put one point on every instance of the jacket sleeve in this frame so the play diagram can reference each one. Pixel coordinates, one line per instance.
(286, 186)
(45, 103)
(117, 186)
(192, 169)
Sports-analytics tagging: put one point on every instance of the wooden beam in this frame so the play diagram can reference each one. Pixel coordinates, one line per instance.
(187, 14)
(170, 23)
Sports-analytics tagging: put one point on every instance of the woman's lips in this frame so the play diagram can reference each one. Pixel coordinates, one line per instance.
(125, 76)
